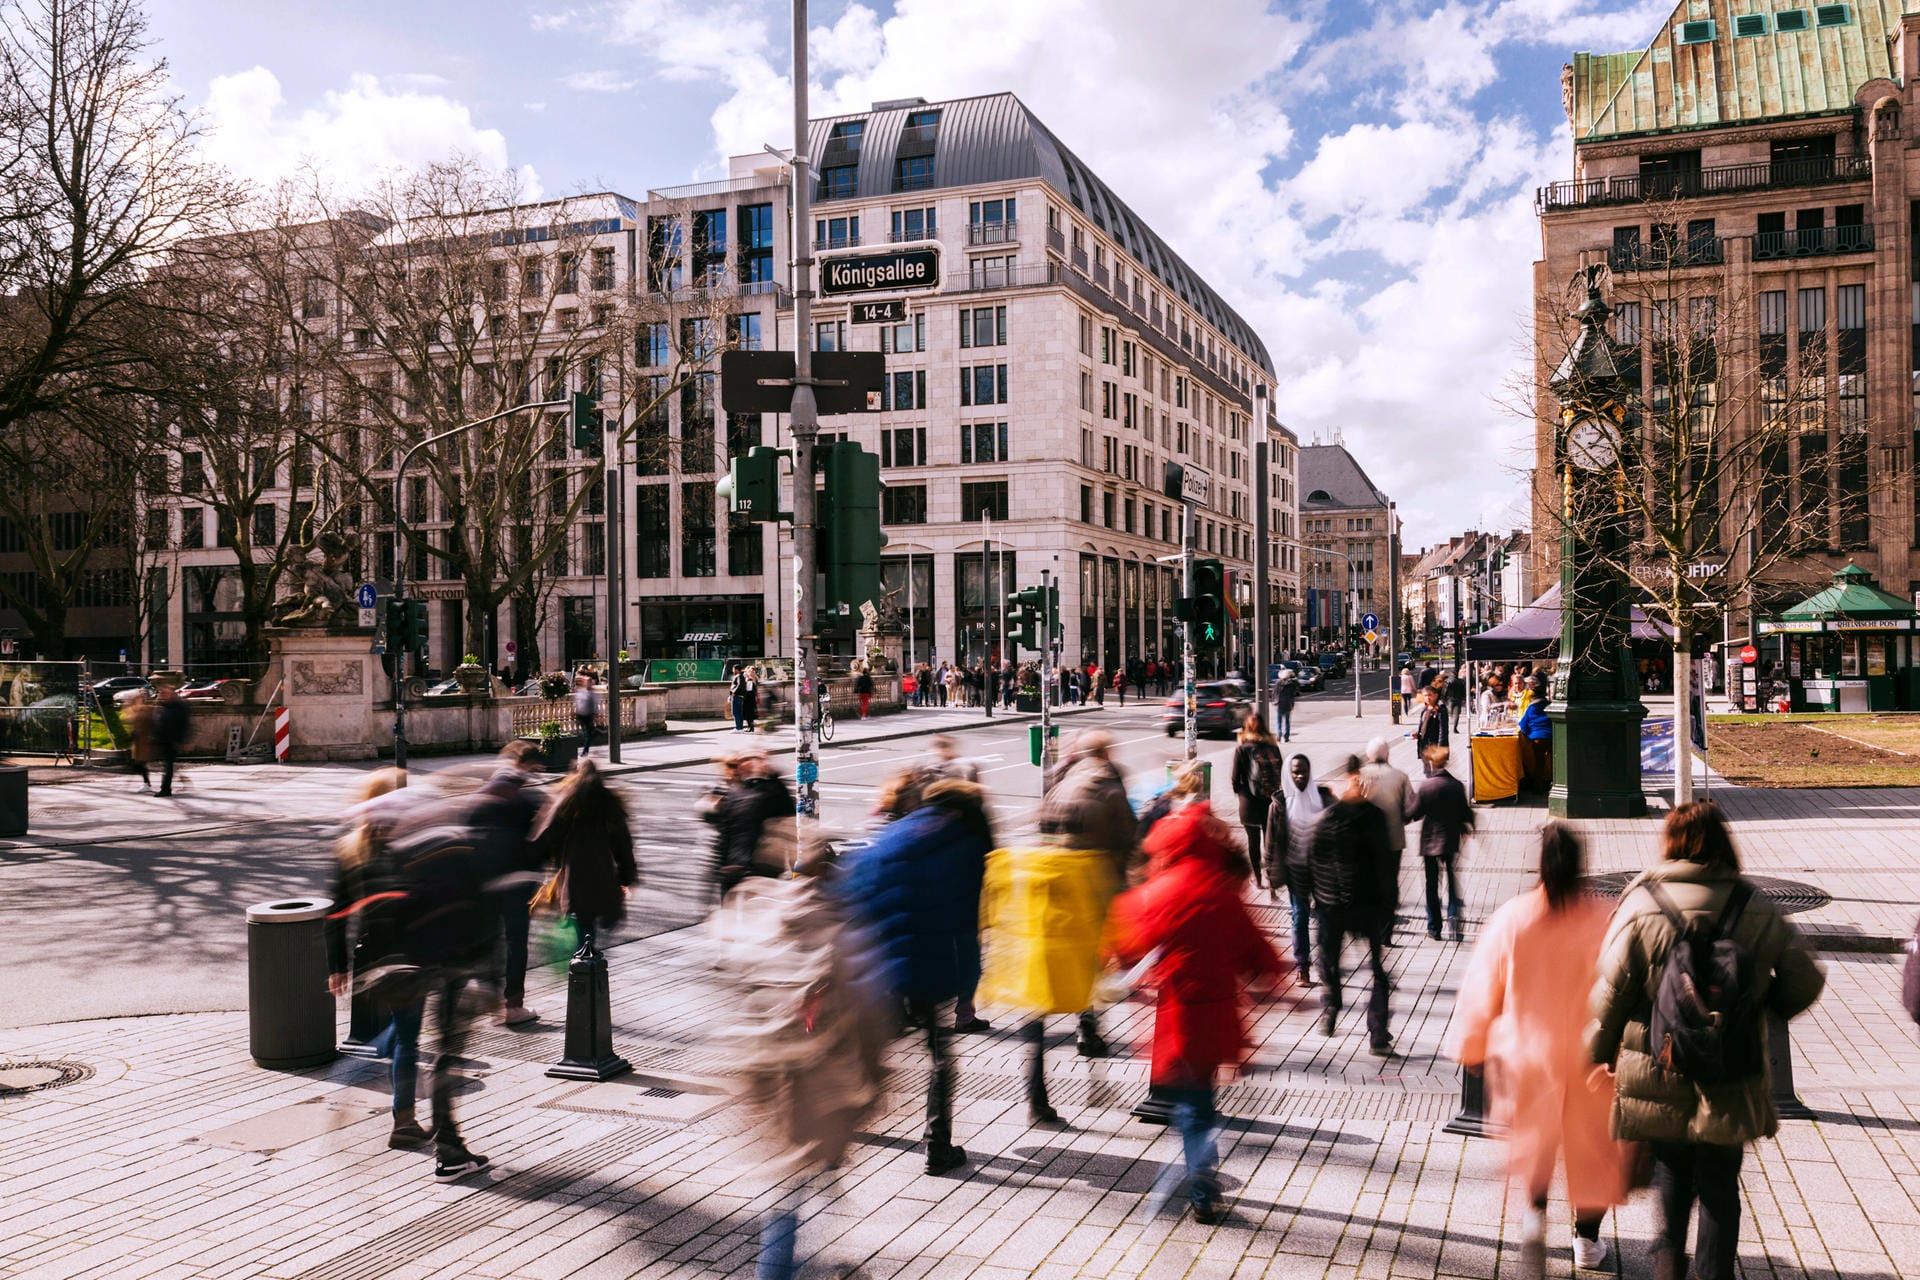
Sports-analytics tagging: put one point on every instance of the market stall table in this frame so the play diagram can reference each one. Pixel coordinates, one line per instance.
(1496, 766)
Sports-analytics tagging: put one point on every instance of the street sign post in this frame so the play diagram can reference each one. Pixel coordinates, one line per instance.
(890, 312)
(887, 272)
(763, 381)
(1369, 622)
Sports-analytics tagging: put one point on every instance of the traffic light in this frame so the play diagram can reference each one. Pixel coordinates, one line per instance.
(396, 624)
(1056, 628)
(1208, 607)
(752, 485)
(407, 629)
(588, 424)
(851, 538)
(1026, 620)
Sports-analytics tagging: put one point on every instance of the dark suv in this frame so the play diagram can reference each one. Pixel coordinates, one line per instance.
(1219, 706)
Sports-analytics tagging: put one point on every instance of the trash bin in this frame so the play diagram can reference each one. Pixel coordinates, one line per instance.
(13, 800)
(290, 1018)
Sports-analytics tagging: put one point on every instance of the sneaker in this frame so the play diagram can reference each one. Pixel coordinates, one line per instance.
(1433, 931)
(407, 1135)
(1533, 1225)
(515, 1015)
(944, 1160)
(1328, 1021)
(1381, 1047)
(1038, 1116)
(1209, 1212)
(1095, 1046)
(1589, 1255)
(455, 1165)
(972, 1026)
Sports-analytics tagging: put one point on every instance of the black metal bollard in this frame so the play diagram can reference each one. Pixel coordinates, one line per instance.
(1472, 1120)
(589, 1051)
(1154, 1108)
(1780, 1065)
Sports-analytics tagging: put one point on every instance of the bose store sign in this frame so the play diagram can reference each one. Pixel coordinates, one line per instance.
(880, 272)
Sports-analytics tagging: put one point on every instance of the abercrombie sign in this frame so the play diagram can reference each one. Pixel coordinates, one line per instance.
(880, 272)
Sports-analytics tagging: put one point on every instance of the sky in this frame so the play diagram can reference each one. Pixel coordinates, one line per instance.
(1355, 177)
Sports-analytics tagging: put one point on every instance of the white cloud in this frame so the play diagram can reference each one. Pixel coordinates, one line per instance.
(599, 81)
(352, 134)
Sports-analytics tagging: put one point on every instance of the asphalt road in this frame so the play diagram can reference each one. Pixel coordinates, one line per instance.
(141, 909)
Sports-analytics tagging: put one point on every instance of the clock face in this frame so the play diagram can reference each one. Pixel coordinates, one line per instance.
(1593, 444)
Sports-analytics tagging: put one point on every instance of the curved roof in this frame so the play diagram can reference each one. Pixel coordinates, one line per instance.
(995, 138)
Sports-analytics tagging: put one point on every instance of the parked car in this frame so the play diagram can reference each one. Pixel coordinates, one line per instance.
(1219, 707)
(443, 689)
(1308, 677)
(213, 689)
(105, 691)
(1332, 665)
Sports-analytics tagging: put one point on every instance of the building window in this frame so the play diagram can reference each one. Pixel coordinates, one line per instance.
(569, 273)
(839, 182)
(193, 529)
(983, 442)
(830, 335)
(652, 531)
(746, 330)
(983, 384)
(709, 244)
(905, 389)
(927, 119)
(914, 224)
(1086, 504)
(992, 272)
(903, 447)
(1086, 390)
(602, 269)
(753, 227)
(905, 504)
(1106, 509)
(910, 173)
(836, 233)
(908, 335)
(983, 326)
(990, 221)
(696, 530)
(743, 433)
(313, 299)
(746, 548)
(984, 500)
(533, 277)
(665, 270)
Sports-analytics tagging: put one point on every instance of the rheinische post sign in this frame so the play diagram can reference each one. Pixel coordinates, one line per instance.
(880, 272)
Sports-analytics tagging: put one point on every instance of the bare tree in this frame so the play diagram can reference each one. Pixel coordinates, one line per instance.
(1743, 442)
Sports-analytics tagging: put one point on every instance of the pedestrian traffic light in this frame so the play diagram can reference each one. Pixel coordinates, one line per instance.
(588, 424)
(851, 538)
(1209, 605)
(752, 484)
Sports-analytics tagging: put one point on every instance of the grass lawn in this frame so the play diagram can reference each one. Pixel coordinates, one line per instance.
(1816, 750)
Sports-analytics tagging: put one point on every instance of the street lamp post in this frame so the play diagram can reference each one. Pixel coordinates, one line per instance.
(1595, 711)
(1262, 518)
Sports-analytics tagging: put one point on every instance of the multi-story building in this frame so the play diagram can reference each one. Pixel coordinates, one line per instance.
(1752, 162)
(1346, 526)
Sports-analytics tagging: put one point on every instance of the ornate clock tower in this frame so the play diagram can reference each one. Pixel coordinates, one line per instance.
(1595, 711)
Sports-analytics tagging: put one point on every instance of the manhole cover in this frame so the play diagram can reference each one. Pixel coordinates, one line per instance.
(1790, 896)
(30, 1077)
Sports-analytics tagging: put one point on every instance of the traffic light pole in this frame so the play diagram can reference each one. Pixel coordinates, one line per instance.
(400, 564)
(805, 424)
(1186, 628)
(1046, 675)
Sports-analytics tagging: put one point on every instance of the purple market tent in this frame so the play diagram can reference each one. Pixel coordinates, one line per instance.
(1534, 632)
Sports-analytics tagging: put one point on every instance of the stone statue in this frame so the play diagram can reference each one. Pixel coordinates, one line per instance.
(321, 593)
(890, 615)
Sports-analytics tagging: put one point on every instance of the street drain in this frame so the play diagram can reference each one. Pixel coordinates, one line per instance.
(31, 1077)
(1789, 896)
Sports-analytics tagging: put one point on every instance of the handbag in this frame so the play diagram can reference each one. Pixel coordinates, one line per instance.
(551, 895)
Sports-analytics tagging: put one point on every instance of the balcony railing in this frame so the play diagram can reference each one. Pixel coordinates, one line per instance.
(1764, 175)
(1080, 261)
(1007, 232)
(1100, 276)
(1700, 251)
(841, 240)
(768, 177)
(919, 133)
(1812, 242)
(1026, 277)
(1057, 241)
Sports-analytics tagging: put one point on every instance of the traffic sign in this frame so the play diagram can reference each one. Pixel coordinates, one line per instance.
(1369, 622)
(889, 312)
(512, 648)
(366, 597)
(880, 272)
(1372, 636)
(1749, 654)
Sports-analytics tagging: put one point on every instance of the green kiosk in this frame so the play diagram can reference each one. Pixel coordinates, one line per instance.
(1851, 647)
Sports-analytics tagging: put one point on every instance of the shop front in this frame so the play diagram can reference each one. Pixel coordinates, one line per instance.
(1851, 647)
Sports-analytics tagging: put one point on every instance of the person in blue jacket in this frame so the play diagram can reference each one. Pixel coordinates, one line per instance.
(1536, 734)
(915, 891)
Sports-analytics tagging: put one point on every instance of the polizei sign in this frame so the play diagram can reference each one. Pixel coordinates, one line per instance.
(880, 272)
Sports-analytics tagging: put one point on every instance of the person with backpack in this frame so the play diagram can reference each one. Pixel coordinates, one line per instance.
(1694, 965)
(1354, 891)
(1257, 775)
(916, 891)
(1445, 815)
(754, 796)
(1522, 1016)
(1190, 910)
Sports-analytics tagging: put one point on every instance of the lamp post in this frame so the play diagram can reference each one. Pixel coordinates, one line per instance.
(1595, 710)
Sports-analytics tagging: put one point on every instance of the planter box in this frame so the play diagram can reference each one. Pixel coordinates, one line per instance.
(558, 754)
(1026, 702)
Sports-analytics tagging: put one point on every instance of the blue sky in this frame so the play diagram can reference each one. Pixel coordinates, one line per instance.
(1356, 178)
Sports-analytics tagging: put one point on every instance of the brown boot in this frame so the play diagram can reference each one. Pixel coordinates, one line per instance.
(407, 1134)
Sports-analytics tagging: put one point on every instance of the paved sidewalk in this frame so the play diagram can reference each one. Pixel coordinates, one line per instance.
(176, 1157)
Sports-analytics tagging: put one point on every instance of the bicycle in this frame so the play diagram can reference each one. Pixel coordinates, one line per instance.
(823, 724)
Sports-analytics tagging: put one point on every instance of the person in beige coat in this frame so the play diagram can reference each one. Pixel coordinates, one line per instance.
(1698, 1132)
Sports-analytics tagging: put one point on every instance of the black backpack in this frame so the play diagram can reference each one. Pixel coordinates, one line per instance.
(1267, 773)
(1705, 1024)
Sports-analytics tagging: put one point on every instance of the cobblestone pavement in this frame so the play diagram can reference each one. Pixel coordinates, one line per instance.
(173, 1156)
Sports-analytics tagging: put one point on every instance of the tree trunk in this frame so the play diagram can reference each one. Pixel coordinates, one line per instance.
(1682, 710)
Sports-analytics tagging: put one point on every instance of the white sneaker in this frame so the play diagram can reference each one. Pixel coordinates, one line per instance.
(1589, 1255)
(1533, 1226)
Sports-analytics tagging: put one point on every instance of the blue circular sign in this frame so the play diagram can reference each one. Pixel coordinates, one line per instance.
(1369, 622)
(367, 596)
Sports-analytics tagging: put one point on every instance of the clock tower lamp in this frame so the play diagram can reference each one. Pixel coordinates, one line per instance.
(1595, 709)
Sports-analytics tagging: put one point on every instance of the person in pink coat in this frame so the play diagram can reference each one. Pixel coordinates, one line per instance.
(1522, 1012)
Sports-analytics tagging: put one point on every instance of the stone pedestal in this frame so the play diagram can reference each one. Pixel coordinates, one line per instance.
(329, 678)
(889, 642)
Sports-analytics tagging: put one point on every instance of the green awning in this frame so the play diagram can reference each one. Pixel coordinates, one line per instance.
(1852, 596)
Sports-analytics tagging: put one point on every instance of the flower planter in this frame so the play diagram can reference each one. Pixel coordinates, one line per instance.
(1026, 701)
(558, 753)
(472, 679)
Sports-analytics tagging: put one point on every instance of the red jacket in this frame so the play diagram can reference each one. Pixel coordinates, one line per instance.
(1190, 907)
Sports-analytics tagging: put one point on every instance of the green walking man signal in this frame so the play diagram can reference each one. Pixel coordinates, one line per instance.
(1206, 609)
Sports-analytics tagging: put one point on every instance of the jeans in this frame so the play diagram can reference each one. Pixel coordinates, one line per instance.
(1255, 832)
(1302, 910)
(583, 725)
(1686, 1172)
(1283, 723)
(452, 1023)
(738, 706)
(1335, 924)
(515, 917)
(940, 1085)
(400, 1041)
(1433, 867)
(1194, 1116)
(168, 754)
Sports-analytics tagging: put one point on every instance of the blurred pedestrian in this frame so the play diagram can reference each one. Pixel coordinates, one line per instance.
(586, 709)
(740, 696)
(754, 797)
(503, 814)
(1430, 729)
(945, 761)
(1699, 1127)
(369, 891)
(586, 838)
(1445, 815)
(1086, 806)
(1258, 773)
(1522, 1016)
(1391, 791)
(1354, 893)
(916, 890)
(1536, 745)
(863, 689)
(136, 717)
(171, 721)
(1456, 696)
(1289, 844)
(1286, 692)
(1191, 912)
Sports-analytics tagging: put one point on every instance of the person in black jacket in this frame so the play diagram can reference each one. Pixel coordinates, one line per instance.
(1456, 696)
(170, 721)
(503, 816)
(1445, 815)
(755, 797)
(1353, 889)
(1257, 774)
(1432, 729)
(1286, 692)
(587, 838)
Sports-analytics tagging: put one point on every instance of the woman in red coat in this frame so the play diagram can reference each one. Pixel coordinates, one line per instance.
(1190, 909)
